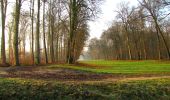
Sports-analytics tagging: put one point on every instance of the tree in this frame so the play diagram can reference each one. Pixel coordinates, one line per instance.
(123, 13)
(32, 29)
(79, 11)
(154, 10)
(44, 37)
(10, 26)
(37, 36)
(3, 17)
(16, 28)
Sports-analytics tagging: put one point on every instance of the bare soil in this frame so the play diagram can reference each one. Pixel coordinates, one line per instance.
(60, 74)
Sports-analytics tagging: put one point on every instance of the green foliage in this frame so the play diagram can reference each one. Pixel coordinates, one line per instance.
(22, 89)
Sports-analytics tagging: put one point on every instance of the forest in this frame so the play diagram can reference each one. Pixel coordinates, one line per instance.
(44, 31)
(48, 51)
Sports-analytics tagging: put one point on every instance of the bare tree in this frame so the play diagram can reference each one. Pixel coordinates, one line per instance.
(37, 36)
(44, 36)
(16, 27)
(32, 29)
(154, 10)
(3, 17)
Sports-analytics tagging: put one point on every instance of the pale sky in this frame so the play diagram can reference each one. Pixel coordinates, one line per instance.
(106, 17)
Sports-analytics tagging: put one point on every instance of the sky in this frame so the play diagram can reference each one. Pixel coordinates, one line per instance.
(106, 17)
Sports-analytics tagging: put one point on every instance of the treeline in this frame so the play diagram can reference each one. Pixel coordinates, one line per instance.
(138, 33)
(44, 31)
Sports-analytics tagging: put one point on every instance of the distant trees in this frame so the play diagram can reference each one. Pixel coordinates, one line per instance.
(139, 33)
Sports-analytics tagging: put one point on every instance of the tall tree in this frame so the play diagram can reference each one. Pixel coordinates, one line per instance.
(154, 9)
(32, 29)
(3, 17)
(79, 11)
(44, 36)
(37, 36)
(52, 19)
(123, 13)
(16, 28)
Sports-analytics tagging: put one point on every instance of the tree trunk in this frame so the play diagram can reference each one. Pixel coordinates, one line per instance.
(57, 42)
(37, 42)
(16, 26)
(3, 16)
(52, 39)
(10, 53)
(73, 18)
(158, 29)
(129, 50)
(165, 42)
(32, 31)
(44, 41)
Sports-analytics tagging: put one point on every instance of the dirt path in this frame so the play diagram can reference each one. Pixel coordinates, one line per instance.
(140, 78)
(69, 75)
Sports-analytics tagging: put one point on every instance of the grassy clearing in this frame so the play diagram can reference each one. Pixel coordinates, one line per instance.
(121, 67)
(17, 89)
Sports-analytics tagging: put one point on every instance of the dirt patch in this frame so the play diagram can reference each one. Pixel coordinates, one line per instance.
(62, 74)
(57, 74)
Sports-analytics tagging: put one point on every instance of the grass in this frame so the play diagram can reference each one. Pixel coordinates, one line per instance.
(24, 89)
(121, 67)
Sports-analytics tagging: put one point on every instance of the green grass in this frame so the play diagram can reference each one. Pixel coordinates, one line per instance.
(122, 67)
(24, 89)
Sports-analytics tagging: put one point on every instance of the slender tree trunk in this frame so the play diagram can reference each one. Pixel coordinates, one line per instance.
(144, 46)
(129, 50)
(136, 46)
(57, 47)
(37, 44)
(24, 52)
(52, 39)
(10, 53)
(49, 31)
(159, 45)
(32, 31)
(164, 40)
(16, 26)
(3, 16)
(158, 29)
(128, 42)
(44, 41)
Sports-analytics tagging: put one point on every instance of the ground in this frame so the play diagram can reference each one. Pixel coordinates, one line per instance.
(93, 76)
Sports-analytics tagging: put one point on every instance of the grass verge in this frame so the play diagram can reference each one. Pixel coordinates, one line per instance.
(24, 89)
